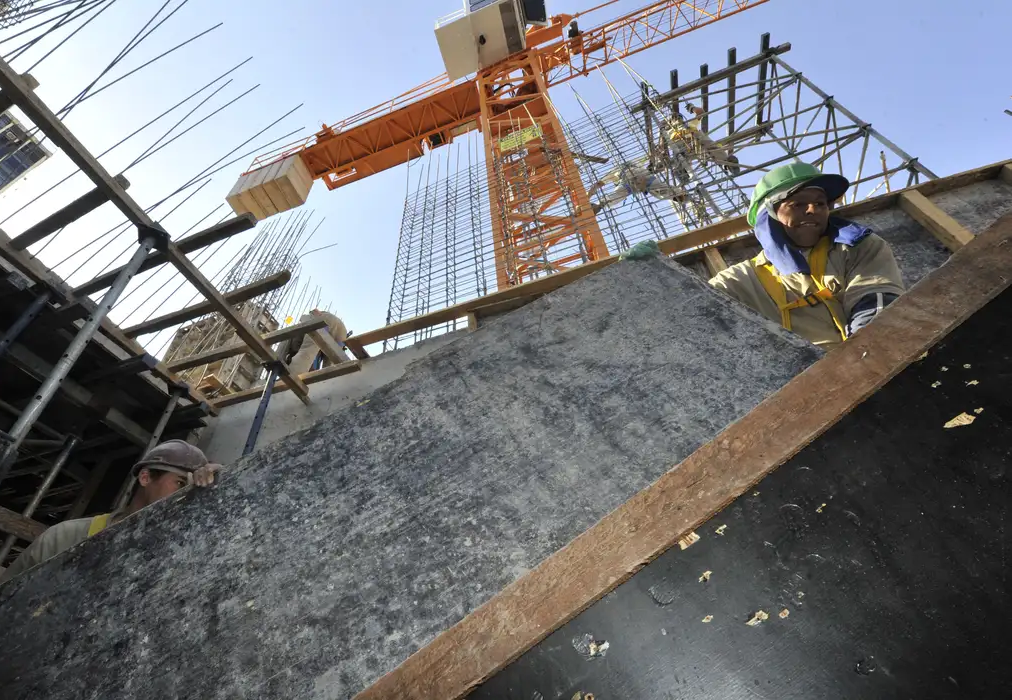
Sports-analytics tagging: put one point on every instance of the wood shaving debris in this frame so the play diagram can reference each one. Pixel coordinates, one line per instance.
(758, 618)
(943, 369)
(972, 382)
(708, 618)
(720, 530)
(578, 696)
(784, 613)
(819, 509)
(42, 608)
(978, 411)
(688, 540)
(801, 594)
(936, 385)
(960, 420)
(755, 493)
(967, 366)
(706, 576)
(363, 402)
(923, 355)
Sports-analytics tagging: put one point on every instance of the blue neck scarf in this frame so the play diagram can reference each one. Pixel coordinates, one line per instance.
(786, 257)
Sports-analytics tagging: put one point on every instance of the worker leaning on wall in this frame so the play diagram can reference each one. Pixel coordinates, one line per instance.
(161, 472)
(820, 276)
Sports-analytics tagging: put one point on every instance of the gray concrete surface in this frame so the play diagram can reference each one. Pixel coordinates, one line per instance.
(325, 559)
(224, 437)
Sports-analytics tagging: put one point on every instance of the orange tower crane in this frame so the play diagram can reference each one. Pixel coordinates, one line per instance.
(530, 168)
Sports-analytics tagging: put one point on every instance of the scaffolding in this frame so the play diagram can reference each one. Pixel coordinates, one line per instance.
(656, 165)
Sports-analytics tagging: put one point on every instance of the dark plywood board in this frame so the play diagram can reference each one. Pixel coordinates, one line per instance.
(886, 541)
(323, 561)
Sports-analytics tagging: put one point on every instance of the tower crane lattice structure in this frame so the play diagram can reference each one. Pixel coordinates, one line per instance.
(529, 167)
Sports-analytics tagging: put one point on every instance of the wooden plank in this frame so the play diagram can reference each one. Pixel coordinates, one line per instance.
(1006, 174)
(677, 246)
(472, 321)
(20, 91)
(187, 313)
(18, 525)
(191, 243)
(328, 346)
(712, 477)
(35, 270)
(239, 348)
(307, 377)
(81, 206)
(356, 347)
(116, 419)
(246, 334)
(950, 232)
(714, 261)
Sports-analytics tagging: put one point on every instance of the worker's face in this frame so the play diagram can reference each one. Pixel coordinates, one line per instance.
(805, 216)
(156, 485)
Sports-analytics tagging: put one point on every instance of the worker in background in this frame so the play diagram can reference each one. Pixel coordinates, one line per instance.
(821, 276)
(628, 179)
(688, 139)
(164, 470)
(309, 356)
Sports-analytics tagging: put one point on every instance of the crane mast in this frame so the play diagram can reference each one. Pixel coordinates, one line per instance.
(537, 198)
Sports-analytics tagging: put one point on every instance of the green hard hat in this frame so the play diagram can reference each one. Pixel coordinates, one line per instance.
(790, 178)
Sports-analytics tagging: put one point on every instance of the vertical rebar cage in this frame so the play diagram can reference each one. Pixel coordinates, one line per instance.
(656, 165)
(13, 11)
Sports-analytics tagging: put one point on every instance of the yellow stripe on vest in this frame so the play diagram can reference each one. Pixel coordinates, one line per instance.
(774, 286)
(98, 523)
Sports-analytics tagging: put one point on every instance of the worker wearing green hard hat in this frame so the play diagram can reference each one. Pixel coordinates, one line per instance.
(821, 276)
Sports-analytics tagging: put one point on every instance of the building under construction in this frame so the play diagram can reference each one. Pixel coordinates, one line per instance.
(556, 471)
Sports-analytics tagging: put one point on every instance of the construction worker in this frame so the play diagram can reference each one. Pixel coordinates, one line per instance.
(164, 470)
(821, 276)
(628, 179)
(687, 139)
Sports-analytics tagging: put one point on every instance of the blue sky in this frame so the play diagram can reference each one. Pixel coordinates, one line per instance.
(930, 75)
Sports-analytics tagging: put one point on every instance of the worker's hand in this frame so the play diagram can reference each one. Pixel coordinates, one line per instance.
(205, 475)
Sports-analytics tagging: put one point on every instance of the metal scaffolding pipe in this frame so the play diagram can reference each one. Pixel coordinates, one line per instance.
(40, 493)
(24, 320)
(47, 391)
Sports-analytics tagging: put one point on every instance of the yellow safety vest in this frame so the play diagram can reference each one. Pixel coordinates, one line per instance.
(98, 523)
(774, 286)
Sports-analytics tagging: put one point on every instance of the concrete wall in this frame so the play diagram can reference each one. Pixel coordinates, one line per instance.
(224, 437)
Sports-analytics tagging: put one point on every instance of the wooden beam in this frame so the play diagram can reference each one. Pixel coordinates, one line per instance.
(128, 367)
(714, 261)
(18, 525)
(20, 91)
(246, 334)
(239, 348)
(313, 377)
(194, 242)
(32, 364)
(328, 346)
(81, 206)
(708, 480)
(174, 318)
(357, 348)
(950, 232)
(113, 341)
(1006, 174)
